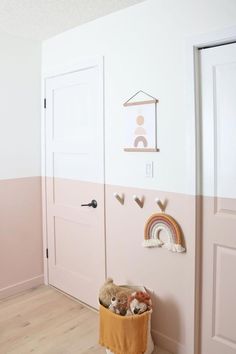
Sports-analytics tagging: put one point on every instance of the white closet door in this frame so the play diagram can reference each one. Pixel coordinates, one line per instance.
(218, 88)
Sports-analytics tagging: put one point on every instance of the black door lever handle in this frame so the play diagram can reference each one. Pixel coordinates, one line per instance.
(92, 204)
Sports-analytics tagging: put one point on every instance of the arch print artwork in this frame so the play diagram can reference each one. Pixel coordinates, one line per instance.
(140, 139)
(161, 222)
(140, 121)
(140, 133)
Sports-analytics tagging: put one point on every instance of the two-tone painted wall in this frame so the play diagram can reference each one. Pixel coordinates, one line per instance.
(144, 47)
(20, 181)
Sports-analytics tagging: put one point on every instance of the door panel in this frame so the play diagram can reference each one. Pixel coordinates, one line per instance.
(75, 175)
(224, 323)
(218, 97)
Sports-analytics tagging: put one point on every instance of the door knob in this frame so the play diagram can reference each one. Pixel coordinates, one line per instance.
(92, 204)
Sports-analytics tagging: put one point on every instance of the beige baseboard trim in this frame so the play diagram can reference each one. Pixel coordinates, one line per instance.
(167, 343)
(22, 286)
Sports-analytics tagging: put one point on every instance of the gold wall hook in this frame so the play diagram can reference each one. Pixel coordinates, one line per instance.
(139, 201)
(162, 205)
(120, 198)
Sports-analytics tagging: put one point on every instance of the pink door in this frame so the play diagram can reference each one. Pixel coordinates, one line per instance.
(218, 125)
(75, 176)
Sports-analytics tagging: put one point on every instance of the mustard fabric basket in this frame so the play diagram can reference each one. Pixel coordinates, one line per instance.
(125, 334)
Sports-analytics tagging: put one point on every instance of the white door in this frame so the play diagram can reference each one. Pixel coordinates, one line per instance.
(218, 121)
(75, 176)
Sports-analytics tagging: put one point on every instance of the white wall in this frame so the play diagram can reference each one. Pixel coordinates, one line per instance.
(21, 256)
(20, 70)
(144, 47)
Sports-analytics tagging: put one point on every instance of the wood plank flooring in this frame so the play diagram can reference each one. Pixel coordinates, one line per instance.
(45, 321)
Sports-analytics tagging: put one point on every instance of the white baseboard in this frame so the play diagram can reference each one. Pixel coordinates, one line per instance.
(168, 344)
(22, 286)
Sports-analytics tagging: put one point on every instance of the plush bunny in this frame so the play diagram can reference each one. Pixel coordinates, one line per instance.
(110, 290)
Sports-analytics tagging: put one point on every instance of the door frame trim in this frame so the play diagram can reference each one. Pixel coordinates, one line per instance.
(82, 64)
(193, 148)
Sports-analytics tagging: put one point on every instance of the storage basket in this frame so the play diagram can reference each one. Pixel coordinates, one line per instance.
(118, 327)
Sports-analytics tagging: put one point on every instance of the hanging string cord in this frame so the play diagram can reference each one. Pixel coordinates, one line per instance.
(140, 91)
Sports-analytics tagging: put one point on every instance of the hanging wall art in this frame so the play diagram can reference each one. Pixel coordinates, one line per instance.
(140, 121)
(159, 223)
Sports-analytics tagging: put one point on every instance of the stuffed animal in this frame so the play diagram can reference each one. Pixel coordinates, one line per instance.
(110, 290)
(138, 303)
(119, 303)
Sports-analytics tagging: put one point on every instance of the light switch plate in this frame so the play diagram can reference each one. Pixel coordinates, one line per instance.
(149, 169)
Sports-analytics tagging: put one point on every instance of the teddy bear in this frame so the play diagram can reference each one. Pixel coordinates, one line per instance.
(119, 303)
(138, 302)
(110, 290)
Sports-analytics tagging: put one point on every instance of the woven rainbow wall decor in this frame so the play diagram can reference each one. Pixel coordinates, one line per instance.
(163, 222)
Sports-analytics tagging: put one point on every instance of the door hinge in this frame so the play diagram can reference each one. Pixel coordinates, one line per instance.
(46, 252)
(45, 103)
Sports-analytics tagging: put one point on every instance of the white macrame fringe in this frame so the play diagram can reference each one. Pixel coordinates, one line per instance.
(174, 247)
(155, 242)
(152, 242)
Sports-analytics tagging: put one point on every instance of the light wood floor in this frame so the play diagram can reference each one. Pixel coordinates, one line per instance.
(45, 321)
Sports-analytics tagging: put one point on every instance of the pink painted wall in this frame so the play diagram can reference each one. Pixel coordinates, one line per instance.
(169, 275)
(21, 257)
